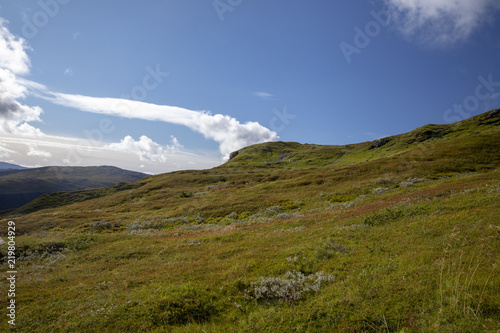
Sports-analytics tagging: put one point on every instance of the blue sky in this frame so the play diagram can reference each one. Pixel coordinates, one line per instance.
(157, 86)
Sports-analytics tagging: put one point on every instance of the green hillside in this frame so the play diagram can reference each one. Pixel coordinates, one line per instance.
(292, 155)
(397, 235)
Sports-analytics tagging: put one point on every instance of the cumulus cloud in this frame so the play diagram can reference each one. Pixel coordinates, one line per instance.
(14, 116)
(74, 151)
(5, 152)
(34, 151)
(14, 61)
(12, 51)
(146, 149)
(441, 23)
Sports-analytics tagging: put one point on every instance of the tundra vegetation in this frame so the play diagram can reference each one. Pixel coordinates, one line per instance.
(397, 235)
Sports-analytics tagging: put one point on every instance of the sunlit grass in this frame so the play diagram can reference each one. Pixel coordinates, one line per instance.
(409, 241)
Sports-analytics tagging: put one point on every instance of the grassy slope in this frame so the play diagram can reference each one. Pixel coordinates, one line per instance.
(409, 230)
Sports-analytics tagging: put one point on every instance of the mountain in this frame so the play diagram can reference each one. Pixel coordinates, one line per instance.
(4, 165)
(20, 186)
(399, 234)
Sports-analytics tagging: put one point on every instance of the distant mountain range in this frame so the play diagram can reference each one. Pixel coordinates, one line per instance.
(6, 166)
(19, 185)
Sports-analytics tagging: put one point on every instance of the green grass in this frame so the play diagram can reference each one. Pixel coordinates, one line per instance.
(409, 237)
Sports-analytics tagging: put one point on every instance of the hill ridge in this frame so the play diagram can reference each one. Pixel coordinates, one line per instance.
(271, 158)
(272, 153)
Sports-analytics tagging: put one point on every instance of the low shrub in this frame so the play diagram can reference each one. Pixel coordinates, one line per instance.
(104, 225)
(185, 195)
(39, 251)
(385, 181)
(339, 197)
(405, 184)
(285, 216)
(329, 250)
(184, 307)
(290, 288)
(380, 190)
(81, 243)
(390, 214)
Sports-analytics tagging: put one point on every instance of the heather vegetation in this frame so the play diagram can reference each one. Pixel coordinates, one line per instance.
(397, 235)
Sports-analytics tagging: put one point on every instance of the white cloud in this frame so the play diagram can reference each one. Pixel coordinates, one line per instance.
(5, 152)
(13, 62)
(225, 130)
(68, 72)
(440, 23)
(34, 151)
(12, 51)
(146, 149)
(176, 145)
(80, 152)
(13, 115)
(263, 94)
